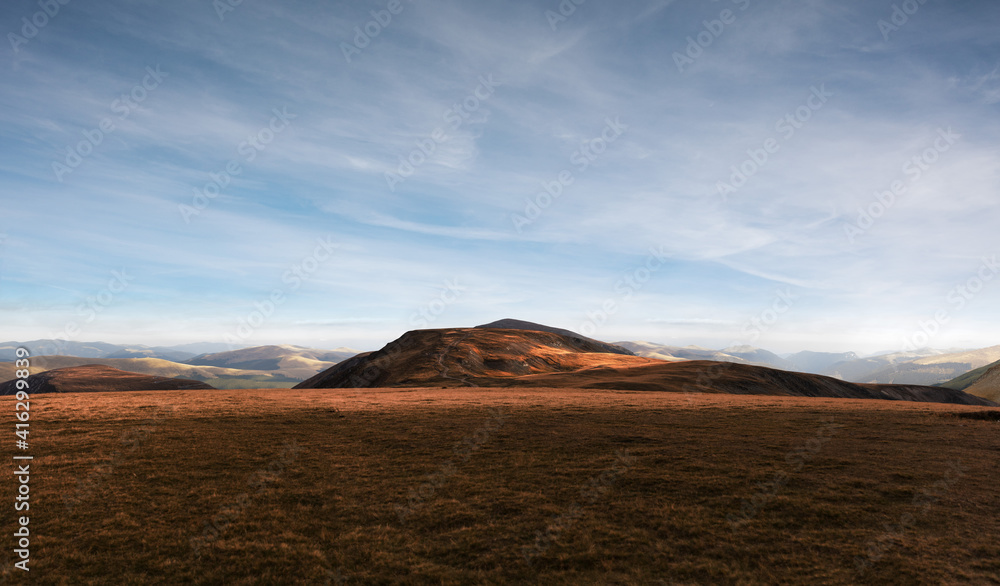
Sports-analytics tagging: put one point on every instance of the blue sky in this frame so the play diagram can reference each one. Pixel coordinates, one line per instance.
(269, 173)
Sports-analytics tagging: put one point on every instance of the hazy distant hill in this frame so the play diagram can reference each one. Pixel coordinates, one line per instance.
(862, 369)
(58, 347)
(932, 370)
(677, 353)
(292, 361)
(759, 356)
(50, 347)
(735, 354)
(818, 362)
(142, 352)
(256, 367)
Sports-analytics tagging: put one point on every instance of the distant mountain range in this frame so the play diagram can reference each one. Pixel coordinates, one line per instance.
(50, 347)
(254, 367)
(921, 367)
(287, 365)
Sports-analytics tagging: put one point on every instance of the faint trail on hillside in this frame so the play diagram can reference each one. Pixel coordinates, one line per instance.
(444, 369)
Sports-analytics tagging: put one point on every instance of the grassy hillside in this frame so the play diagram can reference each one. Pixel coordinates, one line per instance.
(524, 486)
(212, 375)
(294, 362)
(987, 385)
(966, 380)
(915, 373)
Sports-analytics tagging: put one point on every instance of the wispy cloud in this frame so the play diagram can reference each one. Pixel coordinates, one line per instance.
(656, 186)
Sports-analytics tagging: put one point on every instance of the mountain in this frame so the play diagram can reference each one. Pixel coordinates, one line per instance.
(96, 378)
(52, 347)
(651, 350)
(256, 367)
(292, 361)
(470, 357)
(199, 348)
(516, 324)
(759, 356)
(229, 378)
(818, 362)
(677, 353)
(451, 357)
(737, 354)
(145, 352)
(60, 347)
(932, 370)
(862, 369)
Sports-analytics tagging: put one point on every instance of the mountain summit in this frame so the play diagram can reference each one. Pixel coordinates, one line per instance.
(516, 324)
(481, 356)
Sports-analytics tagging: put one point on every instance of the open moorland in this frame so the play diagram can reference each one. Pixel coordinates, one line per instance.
(508, 485)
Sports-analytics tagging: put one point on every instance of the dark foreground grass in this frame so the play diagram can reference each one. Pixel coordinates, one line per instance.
(504, 486)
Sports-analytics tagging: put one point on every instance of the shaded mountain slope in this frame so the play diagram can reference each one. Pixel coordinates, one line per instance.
(699, 376)
(98, 378)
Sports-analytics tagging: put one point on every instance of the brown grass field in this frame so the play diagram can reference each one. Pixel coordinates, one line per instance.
(505, 486)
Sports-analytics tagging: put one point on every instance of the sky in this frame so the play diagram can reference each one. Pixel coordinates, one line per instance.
(817, 174)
